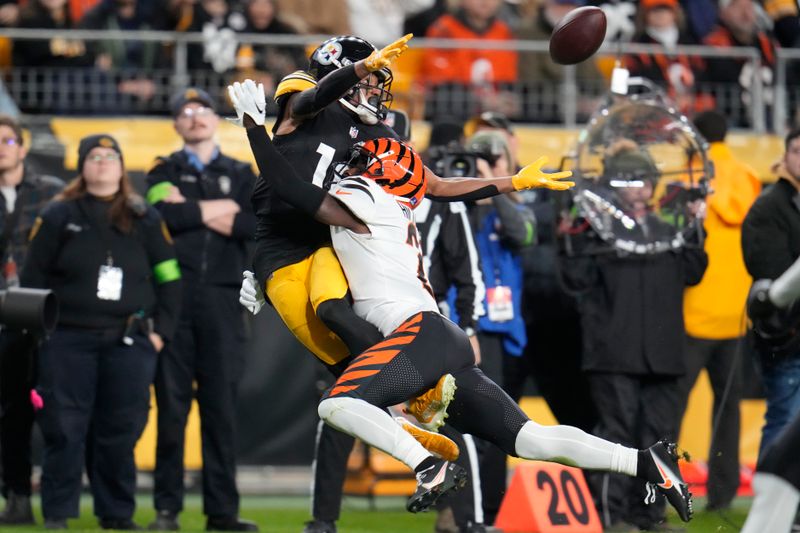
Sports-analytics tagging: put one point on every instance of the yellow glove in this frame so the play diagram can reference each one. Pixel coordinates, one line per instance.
(532, 177)
(383, 58)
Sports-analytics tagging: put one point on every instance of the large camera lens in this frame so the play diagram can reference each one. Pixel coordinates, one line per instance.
(33, 309)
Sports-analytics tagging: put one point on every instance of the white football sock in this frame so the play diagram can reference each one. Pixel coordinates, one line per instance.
(774, 506)
(374, 426)
(573, 447)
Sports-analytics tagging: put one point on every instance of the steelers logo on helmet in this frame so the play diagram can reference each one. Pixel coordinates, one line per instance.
(369, 99)
(393, 165)
(328, 53)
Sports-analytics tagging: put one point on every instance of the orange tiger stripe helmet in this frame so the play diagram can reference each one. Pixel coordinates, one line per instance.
(393, 165)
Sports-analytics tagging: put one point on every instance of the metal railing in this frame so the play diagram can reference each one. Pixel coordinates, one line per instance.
(559, 102)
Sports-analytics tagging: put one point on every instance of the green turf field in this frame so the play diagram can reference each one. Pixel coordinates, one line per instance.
(286, 515)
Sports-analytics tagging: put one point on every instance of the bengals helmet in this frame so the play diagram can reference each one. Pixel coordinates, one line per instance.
(369, 101)
(396, 167)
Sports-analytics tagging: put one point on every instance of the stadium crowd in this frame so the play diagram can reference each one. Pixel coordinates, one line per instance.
(134, 76)
(530, 307)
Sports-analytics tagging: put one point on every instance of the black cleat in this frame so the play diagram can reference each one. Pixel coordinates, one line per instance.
(670, 482)
(434, 482)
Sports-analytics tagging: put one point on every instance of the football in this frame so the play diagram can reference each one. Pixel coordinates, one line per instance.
(578, 35)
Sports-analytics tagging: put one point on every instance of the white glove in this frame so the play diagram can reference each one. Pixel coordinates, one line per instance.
(249, 295)
(248, 98)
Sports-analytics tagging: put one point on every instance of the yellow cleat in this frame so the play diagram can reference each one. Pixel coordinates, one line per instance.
(435, 443)
(430, 408)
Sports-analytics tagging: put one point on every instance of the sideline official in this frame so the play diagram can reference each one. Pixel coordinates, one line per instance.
(110, 261)
(204, 197)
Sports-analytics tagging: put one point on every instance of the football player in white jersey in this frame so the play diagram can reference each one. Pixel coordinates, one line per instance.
(372, 228)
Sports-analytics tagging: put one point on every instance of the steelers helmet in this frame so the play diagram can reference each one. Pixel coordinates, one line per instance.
(371, 98)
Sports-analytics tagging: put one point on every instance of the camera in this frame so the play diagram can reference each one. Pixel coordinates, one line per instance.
(31, 309)
(456, 161)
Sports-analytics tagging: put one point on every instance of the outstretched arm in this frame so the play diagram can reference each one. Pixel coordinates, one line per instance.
(467, 189)
(337, 83)
(249, 102)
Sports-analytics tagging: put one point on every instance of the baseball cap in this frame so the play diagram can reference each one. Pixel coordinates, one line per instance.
(189, 95)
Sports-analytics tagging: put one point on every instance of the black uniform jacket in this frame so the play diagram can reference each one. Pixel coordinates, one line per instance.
(205, 255)
(73, 239)
(771, 231)
(632, 308)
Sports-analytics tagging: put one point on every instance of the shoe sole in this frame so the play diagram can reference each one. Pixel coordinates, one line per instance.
(440, 406)
(425, 501)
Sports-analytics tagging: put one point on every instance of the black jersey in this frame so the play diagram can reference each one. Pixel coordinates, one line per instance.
(284, 234)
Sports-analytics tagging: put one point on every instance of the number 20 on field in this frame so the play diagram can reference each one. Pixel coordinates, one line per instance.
(548, 497)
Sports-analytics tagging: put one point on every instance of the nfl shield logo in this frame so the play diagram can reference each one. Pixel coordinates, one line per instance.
(353, 132)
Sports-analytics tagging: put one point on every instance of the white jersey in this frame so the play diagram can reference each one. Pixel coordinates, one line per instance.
(384, 267)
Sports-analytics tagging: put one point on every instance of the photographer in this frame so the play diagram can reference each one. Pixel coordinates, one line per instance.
(109, 258)
(631, 310)
(770, 244)
(24, 193)
(502, 226)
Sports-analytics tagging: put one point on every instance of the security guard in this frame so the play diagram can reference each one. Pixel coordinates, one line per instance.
(110, 261)
(204, 197)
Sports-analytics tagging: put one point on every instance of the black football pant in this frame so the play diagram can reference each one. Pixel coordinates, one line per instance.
(721, 358)
(207, 350)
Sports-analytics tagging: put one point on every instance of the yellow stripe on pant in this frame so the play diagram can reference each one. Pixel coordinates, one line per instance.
(297, 290)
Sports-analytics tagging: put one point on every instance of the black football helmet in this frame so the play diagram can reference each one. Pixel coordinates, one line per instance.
(370, 101)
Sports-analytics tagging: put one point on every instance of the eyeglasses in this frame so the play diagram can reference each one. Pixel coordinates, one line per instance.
(10, 141)
(190, 112)
(111, 156)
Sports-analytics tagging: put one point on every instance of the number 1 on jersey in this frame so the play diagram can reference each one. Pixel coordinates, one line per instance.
(326, 156)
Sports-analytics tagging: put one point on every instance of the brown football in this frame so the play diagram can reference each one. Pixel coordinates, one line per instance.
(578, 35)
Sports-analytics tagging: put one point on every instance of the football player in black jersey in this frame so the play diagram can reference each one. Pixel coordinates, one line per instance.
(322, 112)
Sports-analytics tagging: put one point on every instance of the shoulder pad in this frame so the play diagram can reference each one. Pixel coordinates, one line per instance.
(295, 82)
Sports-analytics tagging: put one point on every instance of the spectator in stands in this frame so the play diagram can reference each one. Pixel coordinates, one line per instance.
(381, 23)
(538, 73)
(463, 79)
(786, 22)
(419, 23)
(267, 64)
(662, 22)
(110, 261)
(204, 197)
(632, 316)
(714, 309)
(133, 60)
(9, 12)
(738, 27)
(24, 193)
(57, 52)
(315, 17)
(771, 244)
(701, 15)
